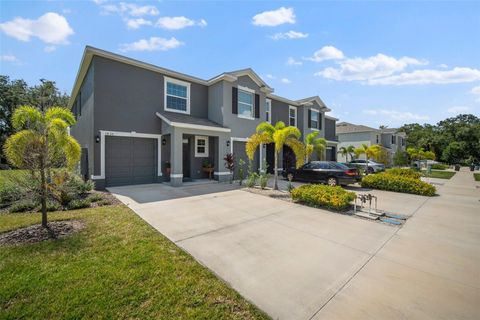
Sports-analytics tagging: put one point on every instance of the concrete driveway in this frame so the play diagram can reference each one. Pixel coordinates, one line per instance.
(296, 262)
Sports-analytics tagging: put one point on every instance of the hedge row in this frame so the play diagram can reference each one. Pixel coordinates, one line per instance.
(405, 172)
(398, 183)
(317, 195)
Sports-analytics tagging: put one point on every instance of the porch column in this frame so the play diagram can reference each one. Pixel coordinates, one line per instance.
(176, 158)
(222, 174)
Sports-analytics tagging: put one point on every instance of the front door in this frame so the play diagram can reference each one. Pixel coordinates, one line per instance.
(186, 158)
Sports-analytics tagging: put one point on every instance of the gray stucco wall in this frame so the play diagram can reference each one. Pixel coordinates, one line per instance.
(83, 129)
(241, 128)
(279, 111)
(216, 102)
(330, 127)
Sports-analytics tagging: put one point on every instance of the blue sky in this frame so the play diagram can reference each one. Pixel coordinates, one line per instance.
(372, 63)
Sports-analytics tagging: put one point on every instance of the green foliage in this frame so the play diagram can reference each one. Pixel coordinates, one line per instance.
(347, 151)
(252, 176)
(398, 183)
(104, 202)
(10, 193)
(400, 158)
(67, 186)
(53, 206)
(439, 166)
(314, 144)
(463, 129)
(95, 197)
(317, 195)
(476, 176)
(78, 204)
(23, 206)
(264, 175)
(404, 172)
(438, 174)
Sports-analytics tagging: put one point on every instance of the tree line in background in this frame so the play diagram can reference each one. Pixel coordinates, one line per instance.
(453, 140)
(16, 93)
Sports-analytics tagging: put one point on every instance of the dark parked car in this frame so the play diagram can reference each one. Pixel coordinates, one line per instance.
(329, 172)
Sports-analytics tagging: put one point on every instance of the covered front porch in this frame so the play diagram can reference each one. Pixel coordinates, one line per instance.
(193, 151)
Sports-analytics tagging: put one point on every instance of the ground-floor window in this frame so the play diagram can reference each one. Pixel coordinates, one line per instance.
(201, 146)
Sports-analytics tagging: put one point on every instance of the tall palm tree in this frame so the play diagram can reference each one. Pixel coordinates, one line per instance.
(314, 144)
(370, 152)
(347, 151)
(42, 142)
(279, 135)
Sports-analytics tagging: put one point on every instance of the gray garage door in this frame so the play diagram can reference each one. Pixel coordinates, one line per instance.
(240, 153)
(130, 161)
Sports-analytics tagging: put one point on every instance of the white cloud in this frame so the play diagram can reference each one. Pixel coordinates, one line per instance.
(443, 66)
(274, 17)
(289, 35)
(430, 76)
(458, 109)
(285, 80)
(152, 44)
(292, 62)
(51, 28)
(327, 53)
(269, 76)
(137, 23)
(361, 69)
(49, 49)
(176, 23)
(131, 9)
(99, 1)
(8, 58)
(396, 115)
(476, 90)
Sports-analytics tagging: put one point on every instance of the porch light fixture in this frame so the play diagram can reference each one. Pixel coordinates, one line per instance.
(228, 143)
(97, 138)
(164, 141)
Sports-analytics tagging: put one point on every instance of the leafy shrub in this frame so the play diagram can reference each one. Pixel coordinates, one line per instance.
(104, 202)
(317, 195)
(404, 172)
(10, 193)
(263, 180)
(51, 206)
(398, 183)
(251, 179)
(78, 204)
(95, 197)
(85, 186)
(439, 166)
(23, 206)
(67, 186)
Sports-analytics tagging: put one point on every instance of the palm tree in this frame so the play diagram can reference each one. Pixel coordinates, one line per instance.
(42, 142)
(370, 152)
(280, 135)
(347, 151)
(314, 144)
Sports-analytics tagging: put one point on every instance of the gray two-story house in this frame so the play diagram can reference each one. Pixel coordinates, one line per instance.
(139, 123)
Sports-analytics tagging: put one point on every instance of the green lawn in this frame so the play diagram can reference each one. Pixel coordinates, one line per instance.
(118, 267)
(439, 174)
(476, 176)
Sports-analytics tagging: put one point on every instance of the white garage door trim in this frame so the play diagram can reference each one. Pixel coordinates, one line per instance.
(133, 134)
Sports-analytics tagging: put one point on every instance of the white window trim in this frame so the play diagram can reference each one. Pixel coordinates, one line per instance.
(318, 119)
(179, 82)
(204, 154)
(269, 110)
(252, 92)
(295, 109)
(133, 134)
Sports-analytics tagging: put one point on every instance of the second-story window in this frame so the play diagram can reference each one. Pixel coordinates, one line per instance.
(268, 110)
(314, 119)
(292, 116)
(393, 139)
(177, 95)
(245, 104)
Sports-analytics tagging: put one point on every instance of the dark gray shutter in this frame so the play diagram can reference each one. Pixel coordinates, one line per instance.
(309, 118)
(319, 121)
(257, 106)
(234, 100)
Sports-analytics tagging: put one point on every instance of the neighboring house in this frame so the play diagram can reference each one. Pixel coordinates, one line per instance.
(356, 135)
(139, 123)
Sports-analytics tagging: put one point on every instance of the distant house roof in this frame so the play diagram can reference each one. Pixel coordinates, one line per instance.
(187, 121)
(346, 127)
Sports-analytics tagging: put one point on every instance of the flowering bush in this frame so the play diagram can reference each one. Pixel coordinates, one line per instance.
(317, 195)
(404, 172)
(398, 183)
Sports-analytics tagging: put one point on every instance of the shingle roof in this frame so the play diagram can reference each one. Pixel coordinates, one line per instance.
(188, 119)
(346, 127)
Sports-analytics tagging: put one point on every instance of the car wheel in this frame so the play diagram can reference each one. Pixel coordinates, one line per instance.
(290, 177)
(332, 182)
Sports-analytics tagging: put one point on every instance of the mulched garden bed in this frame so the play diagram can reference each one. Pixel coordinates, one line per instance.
(276, 194)
(37, 233)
